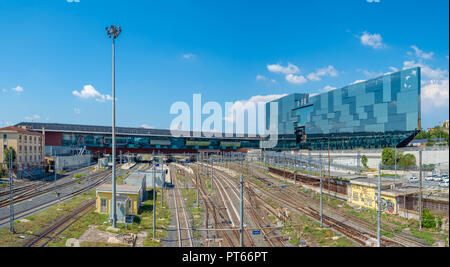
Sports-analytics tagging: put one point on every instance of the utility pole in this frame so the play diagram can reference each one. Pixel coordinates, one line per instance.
(11, 193)
(420, 189)
(242, 212)
(154, 201)
(321, 192)
(163, 177)
(114, 33)
(358, 162)
(395, 163)
(212, 171)
(198, 203)
(379, 208)
(54, 169)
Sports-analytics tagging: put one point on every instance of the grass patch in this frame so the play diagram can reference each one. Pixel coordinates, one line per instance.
(39, 220)
(142, 222)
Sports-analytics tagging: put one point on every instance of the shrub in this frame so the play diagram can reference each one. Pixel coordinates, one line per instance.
(428, 219)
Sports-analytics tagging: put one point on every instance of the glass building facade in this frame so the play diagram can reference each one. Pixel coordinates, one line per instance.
(378, 113)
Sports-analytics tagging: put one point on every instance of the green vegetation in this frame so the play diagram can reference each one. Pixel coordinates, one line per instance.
(407, 161)
(6, 155)
(388, 159)
(78, 176)
(300, 227)
(364, 161)
(39, 220)
(435, 133)
(142, 222)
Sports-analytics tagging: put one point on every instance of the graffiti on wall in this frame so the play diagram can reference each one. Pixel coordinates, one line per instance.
(387, 205)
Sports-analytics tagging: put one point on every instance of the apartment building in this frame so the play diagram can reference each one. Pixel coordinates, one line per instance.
(29, 146)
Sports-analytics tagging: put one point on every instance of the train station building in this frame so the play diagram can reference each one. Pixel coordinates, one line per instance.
(378, 113)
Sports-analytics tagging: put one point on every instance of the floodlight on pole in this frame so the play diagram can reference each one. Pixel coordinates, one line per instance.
(113, 33)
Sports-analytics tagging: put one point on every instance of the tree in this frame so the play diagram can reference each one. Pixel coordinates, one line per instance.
(422, 135)
(408, 161)
(364, 160)
(388, 157)
(6, 156)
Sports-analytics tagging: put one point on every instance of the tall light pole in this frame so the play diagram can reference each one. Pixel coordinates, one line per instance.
(113, 33)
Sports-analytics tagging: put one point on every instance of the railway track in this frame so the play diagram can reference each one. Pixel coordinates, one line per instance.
(251, 206)
(359, 235)
(183, 231)
(398, 239)
(34, 185)
(94, 183)
(221, 220)
(42, 189)
(47, 234)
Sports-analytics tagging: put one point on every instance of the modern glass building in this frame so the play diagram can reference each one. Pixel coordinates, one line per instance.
(378, 113)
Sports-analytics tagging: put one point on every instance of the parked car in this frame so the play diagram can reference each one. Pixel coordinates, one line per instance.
(413, 179)
(444, 184)
(429, 178)
(436, 178)
(444, 176)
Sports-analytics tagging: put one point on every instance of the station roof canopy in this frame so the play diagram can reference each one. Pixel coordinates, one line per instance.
(74, 128)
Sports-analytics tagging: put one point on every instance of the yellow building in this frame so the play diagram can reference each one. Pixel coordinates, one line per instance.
(364, 193)
(129, 199)
(29, 146)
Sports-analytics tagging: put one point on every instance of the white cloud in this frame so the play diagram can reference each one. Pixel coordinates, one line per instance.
(435, 94)
(246, 104)
(4, 90)
(146, 126)
(89, 92)
(330, 71)
(18, 89)
(420, 53)
(295, 79)
(373, 1)
(374, 40)
(260, 78)
(290, 69)
(33, 117)
(76, 110)
(188, 56)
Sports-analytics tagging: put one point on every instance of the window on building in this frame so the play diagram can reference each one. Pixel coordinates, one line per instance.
(20, 149)
(103, 205)
(25, 138)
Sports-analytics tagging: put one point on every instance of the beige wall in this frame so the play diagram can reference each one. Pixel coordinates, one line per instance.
(29, 147)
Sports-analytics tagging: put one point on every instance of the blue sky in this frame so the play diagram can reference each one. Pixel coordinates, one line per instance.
(52, 50)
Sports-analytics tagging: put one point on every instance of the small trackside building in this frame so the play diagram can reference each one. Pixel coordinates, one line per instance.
(363, 192)
(130, 199)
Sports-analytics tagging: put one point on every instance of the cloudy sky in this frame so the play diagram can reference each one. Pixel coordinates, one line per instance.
(55, 57)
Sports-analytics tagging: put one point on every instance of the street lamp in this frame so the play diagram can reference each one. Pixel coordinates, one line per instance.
(114, 33)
